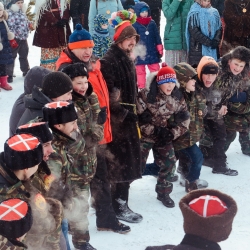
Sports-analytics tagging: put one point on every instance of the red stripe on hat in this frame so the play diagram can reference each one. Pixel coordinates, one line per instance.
(31, 125)
(13, 209)
(120, 29)
(23, 142)
(81, 44)
(54, 105)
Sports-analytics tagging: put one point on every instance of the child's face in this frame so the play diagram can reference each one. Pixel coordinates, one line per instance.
(144, 14)
(205, 3)
(167, 88)
(236, 66)
(104, 26)
(20, 4)
(208, 79)
(80, 84)
(190, 85)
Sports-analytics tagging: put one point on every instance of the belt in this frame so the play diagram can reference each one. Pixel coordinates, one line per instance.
(54, 10)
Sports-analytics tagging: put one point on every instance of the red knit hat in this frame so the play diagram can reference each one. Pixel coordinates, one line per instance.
(165, 75)
(208, 205)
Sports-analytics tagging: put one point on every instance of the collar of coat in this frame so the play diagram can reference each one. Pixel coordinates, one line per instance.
(15, 8)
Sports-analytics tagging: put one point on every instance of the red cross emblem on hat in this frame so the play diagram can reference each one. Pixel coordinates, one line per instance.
(13, 209)
(208, 205)
(54, 105)
(23, 142)
(31, 125)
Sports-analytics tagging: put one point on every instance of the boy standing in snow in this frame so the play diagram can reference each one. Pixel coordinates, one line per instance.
(150, 38)
(203, 31)
(20, 26)
(185, 145)
(101, 36)
(155, 106)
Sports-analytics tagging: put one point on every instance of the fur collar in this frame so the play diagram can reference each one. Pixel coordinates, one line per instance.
(15, 8)
(4, 16)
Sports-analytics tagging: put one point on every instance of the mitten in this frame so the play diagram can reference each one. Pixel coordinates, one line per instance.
(239, 97)
(159, 48)
(102, 116)
(13, 43)
(181, 116)
(145, 117)
(131, 117)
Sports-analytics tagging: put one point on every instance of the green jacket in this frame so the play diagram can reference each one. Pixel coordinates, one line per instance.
(196, 103)
(176, 13)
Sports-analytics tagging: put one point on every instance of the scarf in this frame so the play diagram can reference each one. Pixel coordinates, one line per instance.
(144, 20)
(208, 20)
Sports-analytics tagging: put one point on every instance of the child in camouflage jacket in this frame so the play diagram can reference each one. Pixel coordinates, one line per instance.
(155, 105)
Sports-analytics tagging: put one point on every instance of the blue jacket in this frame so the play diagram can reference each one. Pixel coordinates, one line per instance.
(150, 41)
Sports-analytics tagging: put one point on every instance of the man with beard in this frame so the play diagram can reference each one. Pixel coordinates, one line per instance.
(124, 151)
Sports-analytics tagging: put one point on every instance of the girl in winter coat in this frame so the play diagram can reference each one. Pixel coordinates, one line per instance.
(150, 38)
(203, 31)
(155, 105)
(101, 36)
(5, 49)
(105, 8)
(175, 12)
(20, 26)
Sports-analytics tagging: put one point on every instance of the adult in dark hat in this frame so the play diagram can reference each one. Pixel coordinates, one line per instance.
(208, 217)
(56, 86)
(118, 70)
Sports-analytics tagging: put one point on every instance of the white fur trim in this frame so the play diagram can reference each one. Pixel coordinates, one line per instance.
(1, 6)
(11, 35)
(1, 46)
(15, 8)
(150, 78)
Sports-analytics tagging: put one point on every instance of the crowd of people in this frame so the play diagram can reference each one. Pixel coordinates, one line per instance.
(90, 114)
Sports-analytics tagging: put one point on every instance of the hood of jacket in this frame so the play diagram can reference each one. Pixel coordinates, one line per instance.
(139, 6)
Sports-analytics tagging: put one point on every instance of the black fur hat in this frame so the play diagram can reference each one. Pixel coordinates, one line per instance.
(74, 70)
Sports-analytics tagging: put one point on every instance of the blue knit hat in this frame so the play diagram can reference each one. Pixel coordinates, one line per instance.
(80, 38)
(99, 20)
(145, 8)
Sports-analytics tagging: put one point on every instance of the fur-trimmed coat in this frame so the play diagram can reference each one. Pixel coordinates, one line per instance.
(119, 73)
(6, 52)
(161, 107)
(237, 30)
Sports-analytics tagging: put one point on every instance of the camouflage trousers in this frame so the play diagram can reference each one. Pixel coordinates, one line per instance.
(244, 139)
(165, 158)
(77, 216)
(46, 228)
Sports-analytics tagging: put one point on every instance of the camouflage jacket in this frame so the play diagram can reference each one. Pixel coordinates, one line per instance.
(5, 244)
(196, 103)
(238, 116)
(161, 108)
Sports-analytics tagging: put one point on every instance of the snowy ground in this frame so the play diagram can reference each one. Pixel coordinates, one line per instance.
(160, 225)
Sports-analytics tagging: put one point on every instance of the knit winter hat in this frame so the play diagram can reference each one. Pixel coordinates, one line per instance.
(184, 73)
(56, 84)
(80, 38)
(165, 75)
(59, 113)
(208, 214)
(122, 22)
(205, 60)
(145, 8)
(22, 151)
(15, 218)
(39, 129)
(100, 20)
(74, 70)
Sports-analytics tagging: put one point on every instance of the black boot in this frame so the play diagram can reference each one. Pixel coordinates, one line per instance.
(86, 246)
(190, 186)
(224, 170)
(116, 227)
(166, 200)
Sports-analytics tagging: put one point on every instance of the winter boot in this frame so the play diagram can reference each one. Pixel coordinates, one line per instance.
(182, 180)
(117, 228)
(86, 246)
(224, 170)
(10, 79)
(126, 214)
(190, 186)
(4, 84)
(166, 200)
(201, 183)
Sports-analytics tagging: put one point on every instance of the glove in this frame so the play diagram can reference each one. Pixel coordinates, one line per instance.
(239, 97)
(145, 117)
(13, 43)
(181, 116)
(131, 117)
(159, 48)
(102, 116)
(214, 44)
(164, 136)
(61, 23)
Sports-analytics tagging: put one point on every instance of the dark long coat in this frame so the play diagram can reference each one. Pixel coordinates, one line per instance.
(48, 34)
(124, 159)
